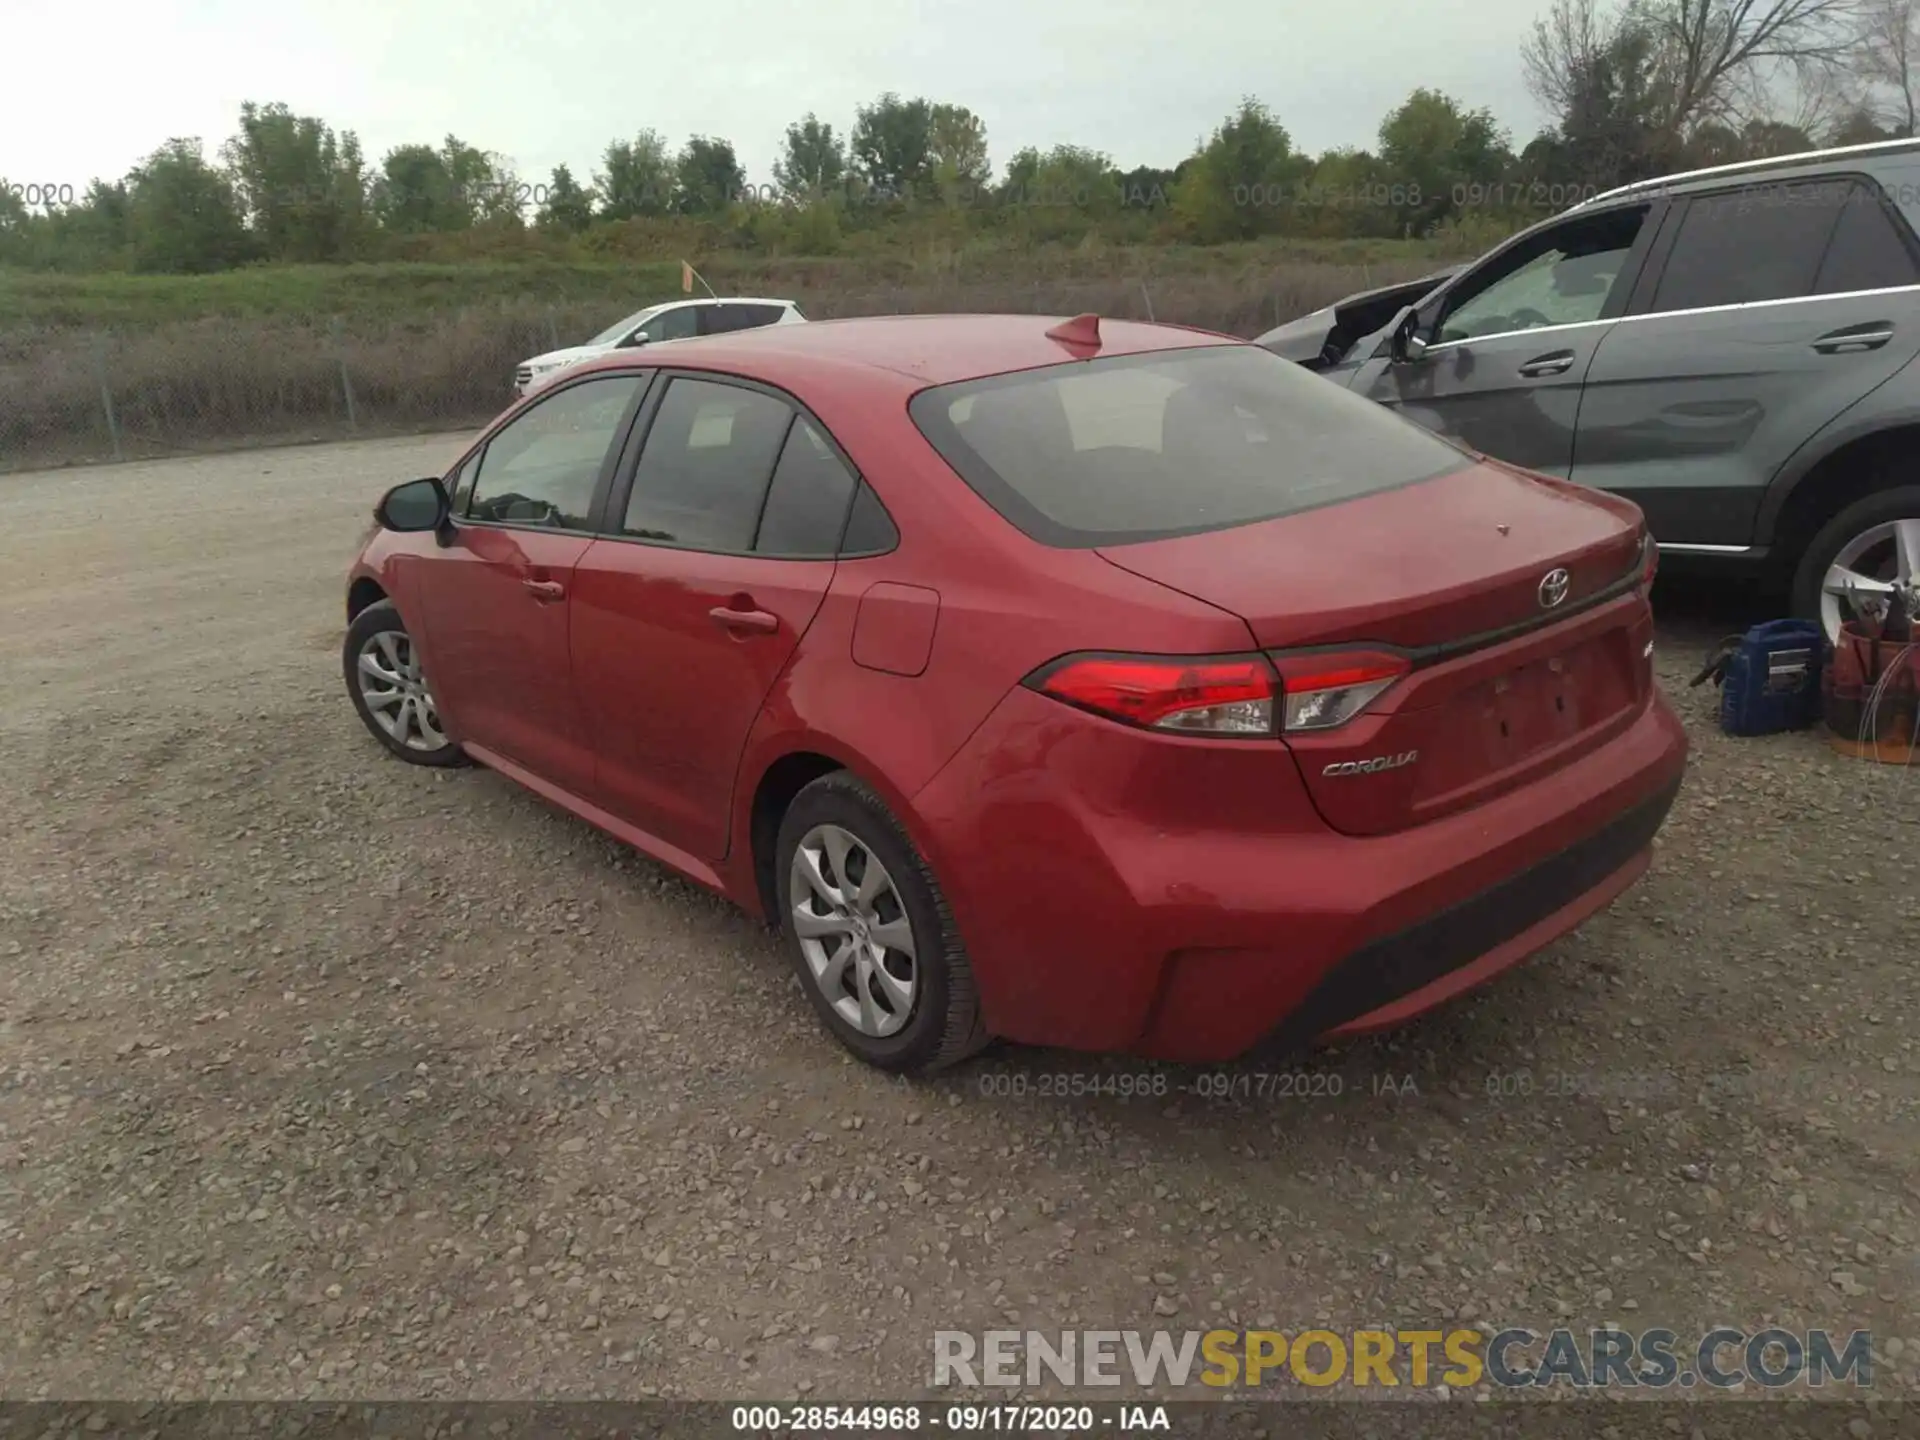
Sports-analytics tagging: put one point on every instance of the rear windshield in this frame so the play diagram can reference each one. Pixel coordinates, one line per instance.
(1141, 447)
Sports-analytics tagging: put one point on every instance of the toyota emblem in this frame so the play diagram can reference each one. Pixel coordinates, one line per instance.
(1554, 586)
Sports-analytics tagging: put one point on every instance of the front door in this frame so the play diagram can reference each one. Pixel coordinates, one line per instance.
(498, 598)
(1508, 349)
(717, 558)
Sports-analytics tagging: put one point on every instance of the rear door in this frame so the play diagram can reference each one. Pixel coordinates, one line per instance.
(1509, 344)
(1766, 310)
(719, 549)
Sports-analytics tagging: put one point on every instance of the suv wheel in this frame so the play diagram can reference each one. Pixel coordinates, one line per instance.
(1863, 553)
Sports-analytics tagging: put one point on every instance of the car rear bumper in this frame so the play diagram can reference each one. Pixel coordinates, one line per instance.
(1108, 905)
(1398, 976)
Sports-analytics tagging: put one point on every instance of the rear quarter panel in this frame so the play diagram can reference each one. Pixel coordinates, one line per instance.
(1006, 606)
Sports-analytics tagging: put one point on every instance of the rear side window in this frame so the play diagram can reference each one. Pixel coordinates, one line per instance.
(722, 318)
(1869, 250)
(1140, 447)
(1760, 242)
(870, 530)
(807, 506)
(705, 466)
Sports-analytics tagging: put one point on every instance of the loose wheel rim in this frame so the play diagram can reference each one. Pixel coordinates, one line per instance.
(1869, 567)
(854, 932)
(395, 691)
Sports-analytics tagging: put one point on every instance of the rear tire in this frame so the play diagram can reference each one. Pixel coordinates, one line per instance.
(870, 934)
(1861, 535)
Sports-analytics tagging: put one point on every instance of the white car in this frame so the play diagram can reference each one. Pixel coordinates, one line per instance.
(674, 320)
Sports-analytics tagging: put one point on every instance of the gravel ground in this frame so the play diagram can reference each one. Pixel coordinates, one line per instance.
(326, 1076)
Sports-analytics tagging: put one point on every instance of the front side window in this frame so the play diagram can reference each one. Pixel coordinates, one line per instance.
(705, 467)
(1563, 276)
(541, 468)
(615, 333)
(677, 324)
(1756, 243)
(461, 490)
(1141, 447)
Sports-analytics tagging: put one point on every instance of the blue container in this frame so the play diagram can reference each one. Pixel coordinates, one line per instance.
(1772, 678)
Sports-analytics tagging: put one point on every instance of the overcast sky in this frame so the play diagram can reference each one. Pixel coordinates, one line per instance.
(88, 91)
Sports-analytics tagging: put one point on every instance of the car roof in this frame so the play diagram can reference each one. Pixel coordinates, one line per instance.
(718, 300)
(922, 349)
(1712, 174)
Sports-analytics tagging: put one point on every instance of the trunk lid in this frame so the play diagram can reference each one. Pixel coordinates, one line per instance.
(1453, 572)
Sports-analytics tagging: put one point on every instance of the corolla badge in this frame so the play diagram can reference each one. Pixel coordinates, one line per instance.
(1554, 586)
(1369, 767)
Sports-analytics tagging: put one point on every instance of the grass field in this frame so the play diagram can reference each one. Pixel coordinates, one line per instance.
(196, 363)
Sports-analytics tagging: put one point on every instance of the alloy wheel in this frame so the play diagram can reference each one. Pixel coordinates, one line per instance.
(1868, 569)
(396, 693)
(853, 930)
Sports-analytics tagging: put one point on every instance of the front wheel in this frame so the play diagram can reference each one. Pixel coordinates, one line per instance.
(389, 690)
(1859, 557)
(870, 933)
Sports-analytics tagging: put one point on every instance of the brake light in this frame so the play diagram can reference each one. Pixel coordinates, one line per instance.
(1327, 688)
(1229, 695)
(1649, 563)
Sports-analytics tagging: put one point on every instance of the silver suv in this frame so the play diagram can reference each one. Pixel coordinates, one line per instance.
(1732, 349)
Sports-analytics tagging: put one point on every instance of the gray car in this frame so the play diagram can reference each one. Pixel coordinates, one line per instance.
(1732, 349)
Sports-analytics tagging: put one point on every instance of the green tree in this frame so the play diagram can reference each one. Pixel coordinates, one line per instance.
(183, 217)
(568, 205)
(485, 189)
(302, 187)
(421, 190)
(1065, 187)
(16, 240)
(957, 153)
(1348, 192)
(1242, 181)
(636, 178)
(414, 194)
(812, 160)
(1148, 187)
(1433, 151)
(892, 144)
(707, 176)
(93, 233)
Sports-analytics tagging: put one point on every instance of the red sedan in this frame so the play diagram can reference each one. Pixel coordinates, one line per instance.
(1086, 683)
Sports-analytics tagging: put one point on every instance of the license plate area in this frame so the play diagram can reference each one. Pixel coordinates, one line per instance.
(1534, 706)
(1500, 722)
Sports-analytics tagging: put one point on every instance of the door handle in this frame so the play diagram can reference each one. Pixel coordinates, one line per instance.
(545, 589)
(728, 618)
(1558, 363)
(1870, 336)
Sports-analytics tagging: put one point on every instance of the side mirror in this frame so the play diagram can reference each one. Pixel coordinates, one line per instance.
(415, 507)
(639, 337)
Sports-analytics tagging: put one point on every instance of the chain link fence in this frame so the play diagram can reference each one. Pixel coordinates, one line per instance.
(73, 394)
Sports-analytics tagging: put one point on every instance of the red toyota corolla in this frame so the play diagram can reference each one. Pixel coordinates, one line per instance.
(1086, 683)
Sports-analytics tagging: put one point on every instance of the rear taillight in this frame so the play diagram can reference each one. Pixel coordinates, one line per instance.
(1230, 695)
(1649, 563)
(1326, 688)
